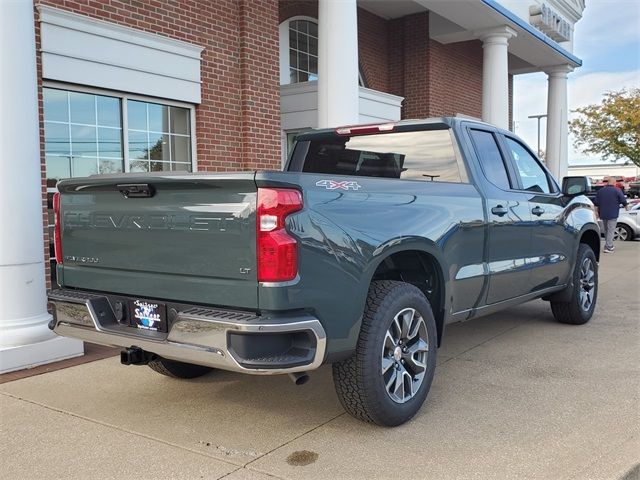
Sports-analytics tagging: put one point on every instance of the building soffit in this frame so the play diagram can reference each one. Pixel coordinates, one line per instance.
(529, 51)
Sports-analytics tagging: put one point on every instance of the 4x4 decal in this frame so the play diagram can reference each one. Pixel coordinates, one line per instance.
(334, 185)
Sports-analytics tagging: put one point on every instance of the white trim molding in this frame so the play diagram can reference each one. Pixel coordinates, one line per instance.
(86, 51)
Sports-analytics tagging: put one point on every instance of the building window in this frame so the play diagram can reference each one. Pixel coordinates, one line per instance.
(299, 51)
(158, 137)
(303, 51)
(83, 134)
(89, 133)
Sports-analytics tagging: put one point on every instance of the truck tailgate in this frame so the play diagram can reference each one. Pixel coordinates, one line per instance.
(188, 238)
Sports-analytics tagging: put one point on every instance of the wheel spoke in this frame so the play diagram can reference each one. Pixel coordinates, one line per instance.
(392, 379)
(414, 331)
(407, 319)
(397, 327)
(416, 364)
(389, 342)
(398, 387)
(585, 300)
(387, 363)
(418, 347)
(407, 382)
(590, 275)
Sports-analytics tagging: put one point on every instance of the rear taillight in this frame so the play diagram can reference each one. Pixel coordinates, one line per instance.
(277, 251)
(57, 237)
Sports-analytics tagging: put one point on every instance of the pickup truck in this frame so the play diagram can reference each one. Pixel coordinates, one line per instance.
(357, 255)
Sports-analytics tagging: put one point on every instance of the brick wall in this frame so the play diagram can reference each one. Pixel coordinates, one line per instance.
(455, 79)
(373, 48)
(435, 79)
(238, 122)
(395, 55)
(260, 82)
(410, 54)
(294, 8)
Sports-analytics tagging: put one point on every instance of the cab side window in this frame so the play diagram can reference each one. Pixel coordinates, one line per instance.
(490, 158)
(532, 176)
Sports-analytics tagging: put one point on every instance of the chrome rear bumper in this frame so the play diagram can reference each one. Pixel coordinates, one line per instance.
(198, 335)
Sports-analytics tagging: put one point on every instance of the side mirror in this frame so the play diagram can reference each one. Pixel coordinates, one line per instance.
(572, 186)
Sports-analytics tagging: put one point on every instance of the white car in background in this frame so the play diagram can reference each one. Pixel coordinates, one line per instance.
(628, 226)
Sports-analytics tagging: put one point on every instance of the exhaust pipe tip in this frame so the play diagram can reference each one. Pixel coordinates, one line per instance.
(299, 378)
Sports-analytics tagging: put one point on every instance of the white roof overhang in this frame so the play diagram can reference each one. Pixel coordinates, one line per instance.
(462, 20)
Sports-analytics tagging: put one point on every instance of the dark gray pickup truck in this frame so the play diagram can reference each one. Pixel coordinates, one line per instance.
(373, 239)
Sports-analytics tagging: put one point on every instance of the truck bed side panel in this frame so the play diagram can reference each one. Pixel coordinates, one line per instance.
(345, 234)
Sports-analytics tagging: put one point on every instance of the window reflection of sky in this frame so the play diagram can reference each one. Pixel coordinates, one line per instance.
(84, 135)
(426, 153)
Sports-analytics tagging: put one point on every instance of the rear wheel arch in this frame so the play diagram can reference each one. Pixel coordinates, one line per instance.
(592, 238)
(419, 268)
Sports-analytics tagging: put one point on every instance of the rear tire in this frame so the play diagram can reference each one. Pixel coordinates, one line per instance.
(388, 378)
(174, 369)
(579, 309)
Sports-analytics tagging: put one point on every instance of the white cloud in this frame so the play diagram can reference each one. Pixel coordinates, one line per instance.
(607, 24)
(590, 88)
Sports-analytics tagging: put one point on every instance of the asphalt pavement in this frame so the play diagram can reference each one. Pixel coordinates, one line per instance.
(516, 395)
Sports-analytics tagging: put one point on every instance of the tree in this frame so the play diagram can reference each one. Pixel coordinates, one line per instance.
(610, 129)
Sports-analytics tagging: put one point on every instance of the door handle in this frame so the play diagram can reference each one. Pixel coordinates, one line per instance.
(499, 210)
(537, 210)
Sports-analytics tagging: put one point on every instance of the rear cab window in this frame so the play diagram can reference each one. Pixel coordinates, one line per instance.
(491, 161)
(425, 155)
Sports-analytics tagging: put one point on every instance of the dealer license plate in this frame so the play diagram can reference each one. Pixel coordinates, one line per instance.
(147, 315)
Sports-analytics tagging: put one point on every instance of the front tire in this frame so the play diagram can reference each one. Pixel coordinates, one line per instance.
(388, 378)
(579, 309)
(175, 369)
(622, 233)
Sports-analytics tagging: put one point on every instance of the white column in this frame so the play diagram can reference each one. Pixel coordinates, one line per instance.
(495, 75)
(337, 63)
(25, 339)
(556, 153)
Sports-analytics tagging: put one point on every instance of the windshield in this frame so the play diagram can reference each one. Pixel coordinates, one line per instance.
(427, 155)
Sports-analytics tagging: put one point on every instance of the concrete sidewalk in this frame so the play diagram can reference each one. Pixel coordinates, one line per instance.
(516, 395)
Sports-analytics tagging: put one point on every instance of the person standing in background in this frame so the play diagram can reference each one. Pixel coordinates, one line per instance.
(608, 201)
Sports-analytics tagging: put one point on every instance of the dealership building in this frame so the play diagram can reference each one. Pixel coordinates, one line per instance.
(108, 86)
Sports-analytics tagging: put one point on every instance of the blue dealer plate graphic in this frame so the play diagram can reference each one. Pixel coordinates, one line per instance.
(147, 315)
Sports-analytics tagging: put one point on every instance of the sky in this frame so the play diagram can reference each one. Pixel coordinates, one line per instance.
(607, 39)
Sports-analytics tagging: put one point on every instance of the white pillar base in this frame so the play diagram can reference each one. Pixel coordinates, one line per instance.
(27, 356)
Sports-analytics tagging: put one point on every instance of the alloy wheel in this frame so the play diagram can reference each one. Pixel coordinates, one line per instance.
(587, 284)
(404, 355)
(620, 233)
